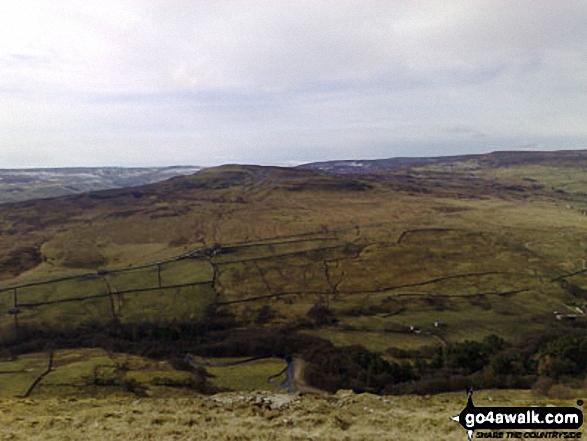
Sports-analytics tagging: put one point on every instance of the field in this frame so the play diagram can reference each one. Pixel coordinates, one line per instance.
(486, 268)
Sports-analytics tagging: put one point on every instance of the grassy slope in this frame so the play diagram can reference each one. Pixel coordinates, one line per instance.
(387, 251)
(237, 416)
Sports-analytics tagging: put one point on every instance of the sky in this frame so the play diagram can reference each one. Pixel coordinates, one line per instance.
(283, 82)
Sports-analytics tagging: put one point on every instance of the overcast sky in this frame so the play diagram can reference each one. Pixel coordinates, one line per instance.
(164, 82)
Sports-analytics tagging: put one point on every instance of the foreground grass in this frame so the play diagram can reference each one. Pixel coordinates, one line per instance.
(250, 416)
(66, 405)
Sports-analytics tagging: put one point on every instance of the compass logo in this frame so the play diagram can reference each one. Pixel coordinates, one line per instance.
(517, 418)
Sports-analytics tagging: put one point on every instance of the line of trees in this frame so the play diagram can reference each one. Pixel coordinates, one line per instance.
(555, 355)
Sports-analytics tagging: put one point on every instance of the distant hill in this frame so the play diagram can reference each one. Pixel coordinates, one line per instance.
(25, 184)
(495, 159)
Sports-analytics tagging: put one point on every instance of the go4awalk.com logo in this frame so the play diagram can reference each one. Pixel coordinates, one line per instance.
(547, 422)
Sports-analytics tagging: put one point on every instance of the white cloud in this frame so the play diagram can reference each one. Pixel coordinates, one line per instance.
(213, 81)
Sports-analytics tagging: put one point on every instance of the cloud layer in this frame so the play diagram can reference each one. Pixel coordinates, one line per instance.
(208, 82)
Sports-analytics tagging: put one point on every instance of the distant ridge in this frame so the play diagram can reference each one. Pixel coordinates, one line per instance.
(494, 159)
(18, 185)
